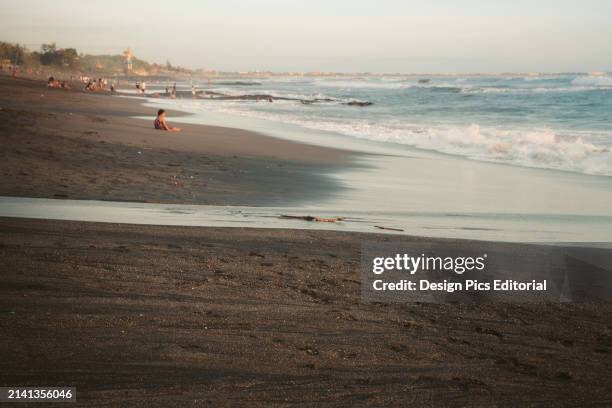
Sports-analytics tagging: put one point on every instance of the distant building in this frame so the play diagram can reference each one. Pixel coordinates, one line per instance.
(128, 60)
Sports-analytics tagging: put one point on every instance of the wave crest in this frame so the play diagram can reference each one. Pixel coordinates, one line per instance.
(540, 148)
(593, 80)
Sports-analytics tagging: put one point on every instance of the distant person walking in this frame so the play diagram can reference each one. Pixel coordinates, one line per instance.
(143, 87)
(137, 87)
(193, 90)
(174, 91)
(161, 124)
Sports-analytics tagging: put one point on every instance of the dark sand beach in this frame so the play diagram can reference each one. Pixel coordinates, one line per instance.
(72, 144)
(175, 316)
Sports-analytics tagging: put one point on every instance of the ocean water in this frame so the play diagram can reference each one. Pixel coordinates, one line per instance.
(506, 158)
(561, 122)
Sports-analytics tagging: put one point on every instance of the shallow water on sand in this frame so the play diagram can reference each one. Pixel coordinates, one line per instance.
(401, 178)
(482, 226)
(427, 191)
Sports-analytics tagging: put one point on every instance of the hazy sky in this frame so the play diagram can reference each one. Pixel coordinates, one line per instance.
(341, 35)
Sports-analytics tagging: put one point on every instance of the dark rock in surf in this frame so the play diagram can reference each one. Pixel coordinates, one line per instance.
(358, 103)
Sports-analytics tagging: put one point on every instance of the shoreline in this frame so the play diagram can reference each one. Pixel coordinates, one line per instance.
(79, 146)
(469, 227)
(411, 179)
(71, 144)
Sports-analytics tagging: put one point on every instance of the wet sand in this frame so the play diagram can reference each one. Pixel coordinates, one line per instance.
(72, 144)
(168, 316)
(177, 316)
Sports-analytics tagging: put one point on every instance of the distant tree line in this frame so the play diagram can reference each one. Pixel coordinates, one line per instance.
(49, 54)
(68, 58)
(13, 52)
(62, 57)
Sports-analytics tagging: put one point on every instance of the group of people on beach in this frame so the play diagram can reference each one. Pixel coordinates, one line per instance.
(100, 84)
(91, 84)
(141, 88)
(172, 92)
(56, 83)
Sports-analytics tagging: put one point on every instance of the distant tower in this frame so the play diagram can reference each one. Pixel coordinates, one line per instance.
(128, 60)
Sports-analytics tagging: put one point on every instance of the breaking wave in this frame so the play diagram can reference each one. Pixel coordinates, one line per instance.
(532, 85)
(560, 127)
(600, 81)
(539, 148)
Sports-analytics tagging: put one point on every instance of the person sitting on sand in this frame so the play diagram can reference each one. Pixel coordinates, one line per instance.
(161, 124)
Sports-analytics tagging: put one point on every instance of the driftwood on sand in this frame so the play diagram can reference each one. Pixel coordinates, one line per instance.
(312, 218)
(388, 228)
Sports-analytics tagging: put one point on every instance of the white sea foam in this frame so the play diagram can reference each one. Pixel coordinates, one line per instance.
(442, 87)
(601, 81)
(575, 135)
(540, 148)
(362, 84)
(526, 90)
(580, 84)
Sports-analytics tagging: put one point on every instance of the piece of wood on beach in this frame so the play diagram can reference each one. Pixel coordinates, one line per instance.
(311, 218)
(388, 228)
